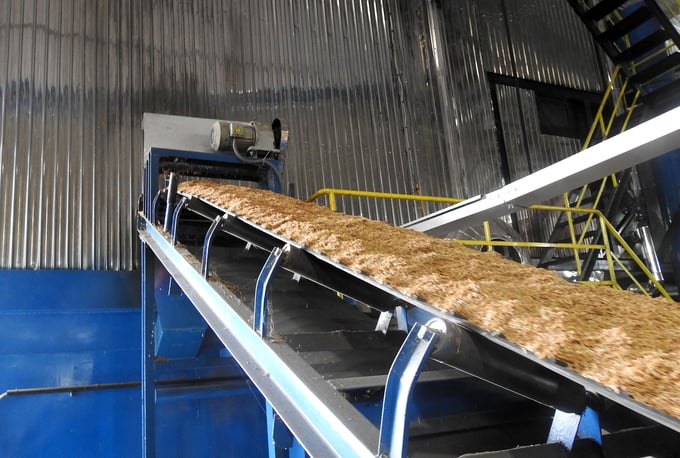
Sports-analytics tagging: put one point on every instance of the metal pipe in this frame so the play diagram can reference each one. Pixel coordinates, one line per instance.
(648, 248)
(68, 389)
(649, 252)
(108, 386)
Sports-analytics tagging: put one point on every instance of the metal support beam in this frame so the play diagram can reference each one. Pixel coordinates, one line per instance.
(282, 443)
(170, 198)
(262, 289)
(402, 318)
(175, 218)
(641, 143)
(400, 383)
(207, 243)
(154, 206)
(589, 427)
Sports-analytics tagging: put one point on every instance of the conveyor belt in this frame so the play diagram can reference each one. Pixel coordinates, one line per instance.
(479, 353)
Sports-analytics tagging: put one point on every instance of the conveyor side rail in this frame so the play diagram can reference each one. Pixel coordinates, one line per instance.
(324, 422)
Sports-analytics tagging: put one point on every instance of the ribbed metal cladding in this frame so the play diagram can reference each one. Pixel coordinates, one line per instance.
(70, 174)
(551, 45)
(461, 42)
(383, 95)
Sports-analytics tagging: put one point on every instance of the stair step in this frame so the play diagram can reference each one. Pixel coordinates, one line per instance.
(602, 9)
(587, 200)
(624, 26)
(649, 43)
(575, 220)
(656, 69)
(665, 97)
(589, 234)
(566, 263)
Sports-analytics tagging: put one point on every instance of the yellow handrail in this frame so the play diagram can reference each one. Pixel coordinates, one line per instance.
(332, 192)
(605, 227)
(608, 228)
(599, 119)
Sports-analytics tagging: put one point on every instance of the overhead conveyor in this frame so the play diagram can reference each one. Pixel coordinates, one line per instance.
(641, 143)
(349, 366)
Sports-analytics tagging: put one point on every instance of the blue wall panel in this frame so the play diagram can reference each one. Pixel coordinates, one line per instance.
(70, 371)
(103, 423)
(69, 330)
(68, 289)
(226, 421)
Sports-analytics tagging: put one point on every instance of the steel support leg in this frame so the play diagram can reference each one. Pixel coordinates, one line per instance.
(209, 236)
(175, 218)
(400, 383)
(282, 443)
(262, 289)
(170, 201)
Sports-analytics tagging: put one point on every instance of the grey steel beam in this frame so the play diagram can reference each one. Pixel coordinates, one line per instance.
(639, 144)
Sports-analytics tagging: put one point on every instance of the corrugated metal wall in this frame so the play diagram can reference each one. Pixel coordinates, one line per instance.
(378, 94)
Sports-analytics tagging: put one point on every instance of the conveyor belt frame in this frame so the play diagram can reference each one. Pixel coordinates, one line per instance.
(491, 357)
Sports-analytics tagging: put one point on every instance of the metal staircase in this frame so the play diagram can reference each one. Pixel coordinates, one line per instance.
(639, 37)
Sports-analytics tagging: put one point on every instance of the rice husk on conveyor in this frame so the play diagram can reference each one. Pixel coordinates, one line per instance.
(623, 340)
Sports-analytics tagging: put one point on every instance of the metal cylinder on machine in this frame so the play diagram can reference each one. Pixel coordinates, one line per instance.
(667, 178)
(643, 230)
(223, 134)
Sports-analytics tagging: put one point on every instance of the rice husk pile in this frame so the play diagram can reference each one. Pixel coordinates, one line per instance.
(623, 340)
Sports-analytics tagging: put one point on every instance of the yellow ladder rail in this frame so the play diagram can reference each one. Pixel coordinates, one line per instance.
(605, 128)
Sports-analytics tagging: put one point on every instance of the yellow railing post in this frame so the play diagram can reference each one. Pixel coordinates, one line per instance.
(608, 251)
(572, 234)
(487, 235)
(331, 201)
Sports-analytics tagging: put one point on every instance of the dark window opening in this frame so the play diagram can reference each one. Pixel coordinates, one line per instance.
(564, 116)
(562, 111)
